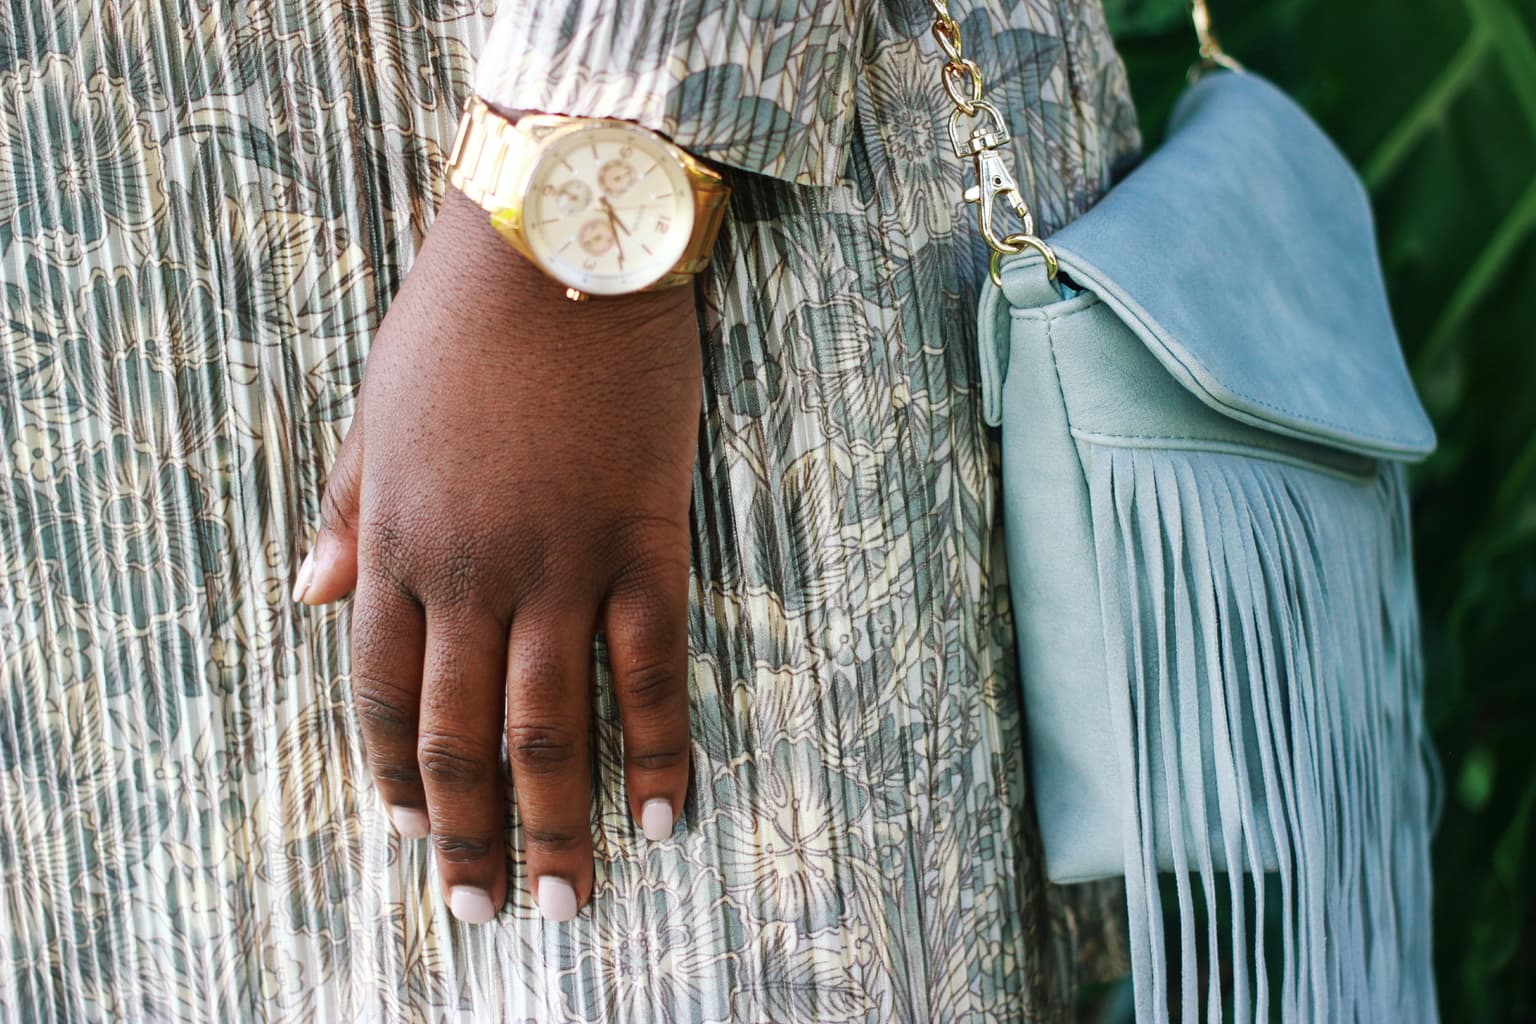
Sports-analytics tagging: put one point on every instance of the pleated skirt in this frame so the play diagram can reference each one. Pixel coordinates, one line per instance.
(204, 209)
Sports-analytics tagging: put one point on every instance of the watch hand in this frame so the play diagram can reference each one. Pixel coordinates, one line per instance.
(612, 216)
(613, 222)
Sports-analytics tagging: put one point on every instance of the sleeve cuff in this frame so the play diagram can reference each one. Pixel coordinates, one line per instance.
(763, 87)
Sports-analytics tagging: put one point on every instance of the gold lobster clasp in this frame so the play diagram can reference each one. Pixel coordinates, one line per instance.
(983, 144)
(995, 182)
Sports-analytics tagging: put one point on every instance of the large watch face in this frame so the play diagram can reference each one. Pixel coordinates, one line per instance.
(608, 209)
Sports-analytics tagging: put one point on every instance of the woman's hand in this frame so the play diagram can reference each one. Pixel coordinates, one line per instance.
(517, 478)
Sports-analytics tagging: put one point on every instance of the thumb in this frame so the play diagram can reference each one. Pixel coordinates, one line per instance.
(329, 571)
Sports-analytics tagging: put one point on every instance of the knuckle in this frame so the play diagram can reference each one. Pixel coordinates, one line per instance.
(383, 707)
(541, 750)
(654, 549)
(458, 848)
(389, 770)
(661, 760)
(451, 761)
(650, 685)
(459, 573)
(649, 608)
(405, 553)
(533, 554)
(648, 648)
(654, 534)
(552, 842)
(468, 573)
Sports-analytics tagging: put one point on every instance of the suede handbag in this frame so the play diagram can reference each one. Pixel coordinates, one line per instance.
(1205, 422)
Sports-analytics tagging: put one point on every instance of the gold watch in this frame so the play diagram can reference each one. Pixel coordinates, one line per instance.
(604, 207)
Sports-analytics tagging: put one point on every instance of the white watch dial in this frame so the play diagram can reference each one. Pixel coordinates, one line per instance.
(609, 209)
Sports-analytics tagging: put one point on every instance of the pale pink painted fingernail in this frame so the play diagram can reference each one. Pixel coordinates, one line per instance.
(656, 819)
(410, 822)
(557, 900)
(305, 577)
(471, 904)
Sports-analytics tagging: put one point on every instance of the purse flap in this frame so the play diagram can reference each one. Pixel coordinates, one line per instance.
(1243, 254)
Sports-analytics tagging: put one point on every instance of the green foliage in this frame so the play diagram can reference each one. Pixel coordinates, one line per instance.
(1435, 101)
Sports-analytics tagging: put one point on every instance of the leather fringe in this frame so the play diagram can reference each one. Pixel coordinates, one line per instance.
(1251, 591)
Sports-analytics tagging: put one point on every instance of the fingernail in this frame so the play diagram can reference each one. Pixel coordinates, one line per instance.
(471, 904)
(322, 559)
(410, 822)
(306, 576)
(656, 819)
(557, 900)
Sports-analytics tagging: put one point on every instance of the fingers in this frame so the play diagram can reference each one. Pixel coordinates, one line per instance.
(646, 625)
(388, 645)
(459, 752)
(329, 571)
(549, 710)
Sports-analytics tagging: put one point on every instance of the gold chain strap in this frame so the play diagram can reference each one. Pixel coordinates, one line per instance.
(989, 134)
(1211, 53)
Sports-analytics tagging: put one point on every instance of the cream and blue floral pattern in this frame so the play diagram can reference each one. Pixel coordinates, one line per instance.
(205, 206)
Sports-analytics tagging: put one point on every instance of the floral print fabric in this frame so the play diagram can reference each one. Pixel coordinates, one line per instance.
(204, 208)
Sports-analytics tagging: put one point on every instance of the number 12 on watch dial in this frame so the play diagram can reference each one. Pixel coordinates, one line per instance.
(608, 209)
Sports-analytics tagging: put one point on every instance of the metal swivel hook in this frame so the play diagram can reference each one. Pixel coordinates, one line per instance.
(993, 182)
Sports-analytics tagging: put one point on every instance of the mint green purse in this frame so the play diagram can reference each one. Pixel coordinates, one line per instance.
(1206, 419)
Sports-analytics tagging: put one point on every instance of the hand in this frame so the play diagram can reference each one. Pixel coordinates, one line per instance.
(517, 477)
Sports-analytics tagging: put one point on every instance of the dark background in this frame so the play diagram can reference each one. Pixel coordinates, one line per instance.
(1435, 102)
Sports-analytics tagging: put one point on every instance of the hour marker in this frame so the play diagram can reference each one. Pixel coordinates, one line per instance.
(662, 195)
(567, 244)
(647, 249)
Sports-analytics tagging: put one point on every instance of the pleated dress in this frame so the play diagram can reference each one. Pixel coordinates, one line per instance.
(205, 206)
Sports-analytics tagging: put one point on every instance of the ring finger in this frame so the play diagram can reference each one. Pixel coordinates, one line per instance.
(549, 711)
(459, 751)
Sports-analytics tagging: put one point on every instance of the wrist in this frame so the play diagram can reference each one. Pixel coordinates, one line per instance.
(484, 257)
(471, 263)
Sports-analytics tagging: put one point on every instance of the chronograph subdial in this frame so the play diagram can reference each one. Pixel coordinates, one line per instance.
(573, 197)
(596, 237)
(616, 177)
